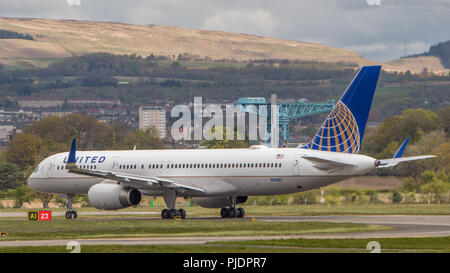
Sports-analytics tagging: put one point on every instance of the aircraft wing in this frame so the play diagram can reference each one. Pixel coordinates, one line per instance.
(135, 181)
(325, 164)
(391, 162)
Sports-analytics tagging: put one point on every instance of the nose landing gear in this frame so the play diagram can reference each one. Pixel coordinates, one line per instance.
(70, 213)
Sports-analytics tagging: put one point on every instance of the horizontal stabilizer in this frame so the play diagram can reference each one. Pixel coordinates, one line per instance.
(391, 162)
(326, 164)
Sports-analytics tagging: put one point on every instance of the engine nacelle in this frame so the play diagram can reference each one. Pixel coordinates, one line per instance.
(113, 196)
(218, 202)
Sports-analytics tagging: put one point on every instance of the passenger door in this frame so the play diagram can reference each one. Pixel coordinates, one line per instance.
(49, 169)
(115, 164)
(296, 165)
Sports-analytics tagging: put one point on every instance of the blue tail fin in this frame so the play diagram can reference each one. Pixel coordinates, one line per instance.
(344, 127)
(73, 150)
(400, 150)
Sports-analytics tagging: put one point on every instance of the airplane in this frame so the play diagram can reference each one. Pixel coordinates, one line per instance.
(221, 178)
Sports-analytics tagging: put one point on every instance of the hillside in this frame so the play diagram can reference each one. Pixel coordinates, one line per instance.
(437, 60)
(417, 65)
(56, 39)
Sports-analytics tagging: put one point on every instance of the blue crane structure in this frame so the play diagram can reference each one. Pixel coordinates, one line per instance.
(287, 111)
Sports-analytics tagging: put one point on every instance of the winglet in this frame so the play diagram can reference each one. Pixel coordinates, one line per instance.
(72, 154)
(400, 150)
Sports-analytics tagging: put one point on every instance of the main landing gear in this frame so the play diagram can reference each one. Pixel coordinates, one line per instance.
(232, 212)
(171, 213)
(70, 213)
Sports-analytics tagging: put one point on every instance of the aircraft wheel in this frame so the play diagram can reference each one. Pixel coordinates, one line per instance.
(224, 212)
(173, 213)
(74, 214)
(232, 213)
(241, 212)
(68, 215)
(182, 213)
(165, 214)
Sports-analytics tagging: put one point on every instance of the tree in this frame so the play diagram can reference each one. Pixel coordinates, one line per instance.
(57, 132)
(24, 150)
(443, 157)
(120, 130)
(428, 144)
(144, 139)
(45, 198)
(21, 195)
(396, 197)
(435, 183)
(412, 123)
(8, 176)
(226, 144)
(444, 116)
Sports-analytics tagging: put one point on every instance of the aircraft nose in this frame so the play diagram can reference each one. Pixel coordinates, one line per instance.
(32, 180)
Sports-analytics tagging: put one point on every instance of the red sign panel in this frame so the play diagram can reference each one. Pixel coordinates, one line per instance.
(45, 215)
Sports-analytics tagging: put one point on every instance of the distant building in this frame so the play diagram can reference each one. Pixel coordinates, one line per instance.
(17, 116)
(93, 102)
(6, 131)
(153, 116)
(39, 102)
(52, 102)
(54, 112)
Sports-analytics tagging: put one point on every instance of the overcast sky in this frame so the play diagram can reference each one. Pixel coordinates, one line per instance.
(377, 32)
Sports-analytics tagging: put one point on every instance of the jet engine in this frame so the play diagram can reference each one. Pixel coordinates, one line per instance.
(113, 196)
(218, 202)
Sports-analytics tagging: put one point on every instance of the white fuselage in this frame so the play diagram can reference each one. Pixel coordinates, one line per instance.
(221, 172)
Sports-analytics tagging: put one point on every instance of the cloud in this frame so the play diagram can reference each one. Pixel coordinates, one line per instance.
(376, 32)
(389, 51)
(242, 21)
(52, 9)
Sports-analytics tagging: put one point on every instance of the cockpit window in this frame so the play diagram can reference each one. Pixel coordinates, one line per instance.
(35, 170)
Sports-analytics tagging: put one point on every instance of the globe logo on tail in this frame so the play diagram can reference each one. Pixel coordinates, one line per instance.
(339, 132)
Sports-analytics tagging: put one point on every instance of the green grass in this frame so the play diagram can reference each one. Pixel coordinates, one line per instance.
(351, 209)
(345, 209)
(160, 249)
(60, 228)
(438, 244)
(425, 244)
